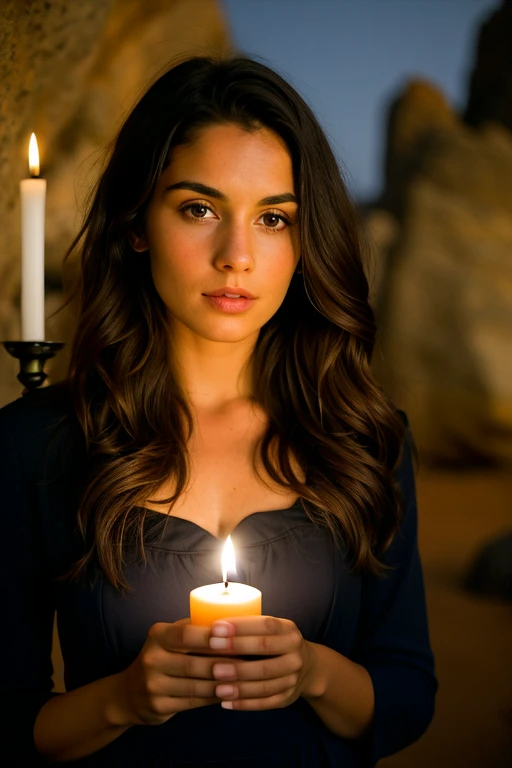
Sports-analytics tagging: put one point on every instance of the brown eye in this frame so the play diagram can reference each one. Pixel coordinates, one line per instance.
(271, 219)
(199, 211)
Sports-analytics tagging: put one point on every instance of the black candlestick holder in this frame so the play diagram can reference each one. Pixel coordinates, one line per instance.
(32, 356)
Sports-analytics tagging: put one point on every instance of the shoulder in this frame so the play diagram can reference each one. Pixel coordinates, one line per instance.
(36, 421)
(37, 410)
(405, 466)
(403, 416)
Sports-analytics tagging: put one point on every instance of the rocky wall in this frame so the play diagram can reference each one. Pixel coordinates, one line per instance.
(70, 71)
(445, 292)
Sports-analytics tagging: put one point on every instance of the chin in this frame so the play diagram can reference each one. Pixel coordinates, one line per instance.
(230, 335)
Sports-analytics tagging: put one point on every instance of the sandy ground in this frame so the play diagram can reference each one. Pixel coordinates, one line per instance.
(471, 636)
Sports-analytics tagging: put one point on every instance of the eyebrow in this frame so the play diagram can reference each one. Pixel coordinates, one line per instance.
(203, 189)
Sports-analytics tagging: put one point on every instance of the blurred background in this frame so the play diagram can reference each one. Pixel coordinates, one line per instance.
(416, 98)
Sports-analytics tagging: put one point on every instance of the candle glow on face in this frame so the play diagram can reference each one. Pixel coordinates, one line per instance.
(220, 601)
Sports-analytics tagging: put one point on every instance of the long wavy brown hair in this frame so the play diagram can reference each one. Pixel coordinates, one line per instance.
(311, 363)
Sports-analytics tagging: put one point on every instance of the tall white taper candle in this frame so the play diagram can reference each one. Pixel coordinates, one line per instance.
(33, 197)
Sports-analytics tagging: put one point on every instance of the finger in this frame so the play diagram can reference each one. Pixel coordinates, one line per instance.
(262, 689)
(200, 668)
(262, 669)
(182, 687)
(186, 665)
(181, 705)
(252, 625)
(180, 636)
(164, 706)
(251, 705)
(258, 645)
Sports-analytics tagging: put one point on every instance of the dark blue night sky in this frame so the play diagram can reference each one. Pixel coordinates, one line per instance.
(349, 58)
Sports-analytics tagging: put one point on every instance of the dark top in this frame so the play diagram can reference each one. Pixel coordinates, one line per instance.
(303, 576)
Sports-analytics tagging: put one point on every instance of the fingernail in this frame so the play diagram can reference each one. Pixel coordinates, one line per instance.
(226, 704)
(224, 671)
(219, 643)
(222, 629)
(225, 690)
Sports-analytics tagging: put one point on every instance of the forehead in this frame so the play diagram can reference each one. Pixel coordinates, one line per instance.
(230, 154)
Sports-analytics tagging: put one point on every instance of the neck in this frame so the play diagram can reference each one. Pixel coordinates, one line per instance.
(213, 375)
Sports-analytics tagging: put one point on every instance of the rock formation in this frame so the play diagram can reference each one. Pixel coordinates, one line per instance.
(69, 72)
(490, 95)
(445, 303)
(417, 118)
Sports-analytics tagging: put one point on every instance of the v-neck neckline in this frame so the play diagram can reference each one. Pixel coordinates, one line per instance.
(296, 505)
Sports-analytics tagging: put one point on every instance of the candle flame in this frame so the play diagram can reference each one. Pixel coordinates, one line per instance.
(33, 156)
(228, 559)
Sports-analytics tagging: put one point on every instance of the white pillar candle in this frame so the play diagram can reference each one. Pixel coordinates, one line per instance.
(33, 197)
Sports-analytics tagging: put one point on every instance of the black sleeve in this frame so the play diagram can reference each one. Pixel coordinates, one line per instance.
(394, 641)
(27, 593)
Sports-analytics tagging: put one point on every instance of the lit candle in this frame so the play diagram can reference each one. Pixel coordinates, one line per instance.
(33, 195)
(218, 601)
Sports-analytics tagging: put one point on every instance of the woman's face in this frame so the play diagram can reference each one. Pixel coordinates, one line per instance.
(223, 216)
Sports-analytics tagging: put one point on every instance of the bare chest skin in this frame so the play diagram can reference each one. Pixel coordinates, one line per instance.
(223, 488)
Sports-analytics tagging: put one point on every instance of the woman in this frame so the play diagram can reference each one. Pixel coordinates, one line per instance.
(219, 383)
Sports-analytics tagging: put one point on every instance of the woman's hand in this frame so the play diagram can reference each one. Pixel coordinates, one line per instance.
(283, 674)
(166, 678)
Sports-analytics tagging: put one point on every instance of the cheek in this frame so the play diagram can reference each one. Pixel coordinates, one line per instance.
(280, 259)
(171, 253)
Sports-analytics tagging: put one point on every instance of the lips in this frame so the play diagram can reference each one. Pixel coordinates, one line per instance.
(233, 291)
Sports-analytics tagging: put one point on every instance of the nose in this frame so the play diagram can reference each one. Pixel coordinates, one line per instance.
(235, 248)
